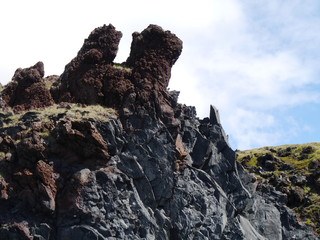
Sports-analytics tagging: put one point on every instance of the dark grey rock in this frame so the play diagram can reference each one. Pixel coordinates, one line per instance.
(141, 194)
(214, 115)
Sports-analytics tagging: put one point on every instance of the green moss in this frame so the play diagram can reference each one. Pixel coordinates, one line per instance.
(44, 133)
(294, 159)
(253, 162)
(298, 157)
(307, 189)
(311, 213)
(121, 67)
(48, 84)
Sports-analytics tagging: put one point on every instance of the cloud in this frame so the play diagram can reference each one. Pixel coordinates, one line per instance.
(252, 128)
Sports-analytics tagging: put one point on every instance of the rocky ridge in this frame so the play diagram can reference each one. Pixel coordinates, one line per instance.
(105, 151)
(293, 170)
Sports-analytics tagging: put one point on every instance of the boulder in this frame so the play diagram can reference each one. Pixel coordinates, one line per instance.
(295, 197)
(27, 89)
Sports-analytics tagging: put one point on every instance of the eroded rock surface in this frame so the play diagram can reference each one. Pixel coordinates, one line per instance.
(83, 78)
(27, 89)
(155, 171)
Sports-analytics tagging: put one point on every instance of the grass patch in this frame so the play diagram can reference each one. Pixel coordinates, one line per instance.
(71, 111)
(2, 156)
(48, 84)
(52, 80)
(298, 158)
(253, 162)
(311, 214)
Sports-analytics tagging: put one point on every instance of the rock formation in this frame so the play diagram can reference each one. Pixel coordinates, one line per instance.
(27, 89)
(75, 169)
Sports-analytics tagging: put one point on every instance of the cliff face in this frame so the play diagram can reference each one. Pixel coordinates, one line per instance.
(104, 151)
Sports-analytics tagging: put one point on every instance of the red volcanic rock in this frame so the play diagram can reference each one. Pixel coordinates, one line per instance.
(92, 78)
(153, 53)
(82, 80)
(27, 89)
(141, 82)
(118, 88)
(31, 149)
(30, 75)
(101, 45)
(28, 176)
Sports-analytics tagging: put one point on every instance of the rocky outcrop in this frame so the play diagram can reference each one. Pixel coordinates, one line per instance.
(92, 77)
(27, 89)
(294, 171)
(155, 171)
(83, 78)
(153, 53)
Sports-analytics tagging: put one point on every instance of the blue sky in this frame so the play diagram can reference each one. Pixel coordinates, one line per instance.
(256, 61)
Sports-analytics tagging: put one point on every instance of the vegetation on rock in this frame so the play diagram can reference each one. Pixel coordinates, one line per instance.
(121, 67)
(71, 111)
(293, 170)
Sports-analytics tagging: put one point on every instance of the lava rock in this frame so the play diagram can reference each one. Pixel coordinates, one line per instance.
(27, 89)
(314, 164)
(285, 152)
(308, 150)
(299, 180)
(295, 197)
(82, 80)
(268, 162)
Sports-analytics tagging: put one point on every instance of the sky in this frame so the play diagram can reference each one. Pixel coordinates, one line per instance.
(258, 62)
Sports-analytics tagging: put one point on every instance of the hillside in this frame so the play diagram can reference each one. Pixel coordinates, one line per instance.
(105, 151)
(293, 170)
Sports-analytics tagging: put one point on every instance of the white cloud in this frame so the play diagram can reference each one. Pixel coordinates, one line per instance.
(253, 128)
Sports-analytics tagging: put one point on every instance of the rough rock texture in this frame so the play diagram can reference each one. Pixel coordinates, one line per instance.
(294, 171)
(82, 81)
(27, 89)
(154, 172)
(141, 82)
